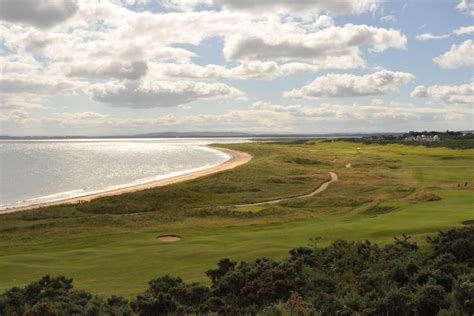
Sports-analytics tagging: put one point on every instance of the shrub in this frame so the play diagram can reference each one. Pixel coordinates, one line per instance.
(345, 278)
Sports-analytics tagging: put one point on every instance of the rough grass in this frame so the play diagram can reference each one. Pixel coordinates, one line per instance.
(109, 245)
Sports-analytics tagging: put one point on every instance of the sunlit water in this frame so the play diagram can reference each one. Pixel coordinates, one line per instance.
(47, 170)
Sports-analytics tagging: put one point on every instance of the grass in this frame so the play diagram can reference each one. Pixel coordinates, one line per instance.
(109, 246)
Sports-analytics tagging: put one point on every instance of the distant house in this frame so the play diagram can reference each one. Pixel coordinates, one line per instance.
(422, 138)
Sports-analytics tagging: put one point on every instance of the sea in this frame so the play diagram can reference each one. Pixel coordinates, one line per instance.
(38, 171)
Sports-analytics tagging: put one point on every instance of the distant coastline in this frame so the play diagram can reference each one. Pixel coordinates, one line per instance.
(199, 135)
(215, 135)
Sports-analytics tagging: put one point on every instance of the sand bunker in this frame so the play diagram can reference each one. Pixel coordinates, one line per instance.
(169, 238)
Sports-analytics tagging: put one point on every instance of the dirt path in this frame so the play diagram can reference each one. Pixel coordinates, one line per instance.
(322, 188)
(236, 159)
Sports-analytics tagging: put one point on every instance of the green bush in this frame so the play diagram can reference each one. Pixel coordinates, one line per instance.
(345, 278)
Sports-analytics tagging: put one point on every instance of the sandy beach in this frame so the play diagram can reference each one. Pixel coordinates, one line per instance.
(236, 159)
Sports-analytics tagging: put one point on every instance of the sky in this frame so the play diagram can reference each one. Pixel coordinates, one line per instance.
(125, 67)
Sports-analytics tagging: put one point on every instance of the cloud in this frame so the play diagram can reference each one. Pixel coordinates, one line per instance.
(380, 115)
(285, 6)
(38, 13)
(348, 85)
(430, 36)
(378, 109)
(28, 89)
(388, 19)
(115, 69)
(20, 84)
(456, 94)
(131, 53)
(102, 38)
(419, 92)
(465, 6)
(260, 116)
(184, 5)
(19, 114)
(458, 56)
(249, 69)
(331, 41)
(149, 94)
(464, 30)
(107, 41)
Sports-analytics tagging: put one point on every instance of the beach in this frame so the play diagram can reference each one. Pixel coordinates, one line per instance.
(236, 159)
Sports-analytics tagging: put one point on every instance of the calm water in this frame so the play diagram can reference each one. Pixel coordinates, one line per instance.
(46, 170)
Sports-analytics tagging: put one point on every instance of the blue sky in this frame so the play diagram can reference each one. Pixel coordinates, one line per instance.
(119, 67)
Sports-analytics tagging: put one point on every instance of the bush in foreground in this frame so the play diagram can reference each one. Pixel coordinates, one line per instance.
(345, 278)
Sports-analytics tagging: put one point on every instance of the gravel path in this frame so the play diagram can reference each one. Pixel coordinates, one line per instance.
(322, 188)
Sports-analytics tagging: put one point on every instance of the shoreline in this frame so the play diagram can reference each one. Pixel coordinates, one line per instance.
(236, 158)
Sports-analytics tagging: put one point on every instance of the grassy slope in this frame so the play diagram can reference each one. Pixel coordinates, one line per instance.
(110, 252)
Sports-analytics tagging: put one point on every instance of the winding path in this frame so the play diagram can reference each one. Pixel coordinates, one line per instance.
(321, 188)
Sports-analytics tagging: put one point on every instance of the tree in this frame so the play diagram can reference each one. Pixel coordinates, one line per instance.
(464, 293)
(345, 278)
(431, 299)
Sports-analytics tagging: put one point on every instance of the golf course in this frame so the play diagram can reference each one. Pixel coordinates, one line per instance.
(110, 245)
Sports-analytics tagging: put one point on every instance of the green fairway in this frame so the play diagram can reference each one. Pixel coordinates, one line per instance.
(109, 246)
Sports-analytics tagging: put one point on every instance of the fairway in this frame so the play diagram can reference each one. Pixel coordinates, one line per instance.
(110, 246)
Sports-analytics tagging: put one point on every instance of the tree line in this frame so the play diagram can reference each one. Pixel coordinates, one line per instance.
(344, 278)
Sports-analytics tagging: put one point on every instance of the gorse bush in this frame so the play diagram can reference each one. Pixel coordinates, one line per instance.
(345, 278)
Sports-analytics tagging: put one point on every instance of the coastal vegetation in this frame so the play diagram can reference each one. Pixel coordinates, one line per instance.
(110, 247)
(344, 278)
(448, 139)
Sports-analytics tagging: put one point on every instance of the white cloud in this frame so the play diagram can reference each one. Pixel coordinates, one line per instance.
(22, 101)
(388, 19)
(18, 115)
(261, 117)
(105, 41)
(331, 41)
(295, 7)
(377, 110)
(23, 83)
(28, 88)
(285, 6)
(39, 13)
(456, 94)
(249, 69)
(184, 5)
(145, 58)
(148, 94)
(458, 56)
(464, 30)
(33, 85)
(348, 85)
(115, 69)
(419, 92)
(430, 36)
(465, 6)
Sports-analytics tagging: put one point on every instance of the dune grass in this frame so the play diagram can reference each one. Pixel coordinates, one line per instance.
(109, 246)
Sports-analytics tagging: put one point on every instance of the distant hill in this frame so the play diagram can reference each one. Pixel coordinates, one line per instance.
(193, 134)
(251, 135)
(213, 135)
